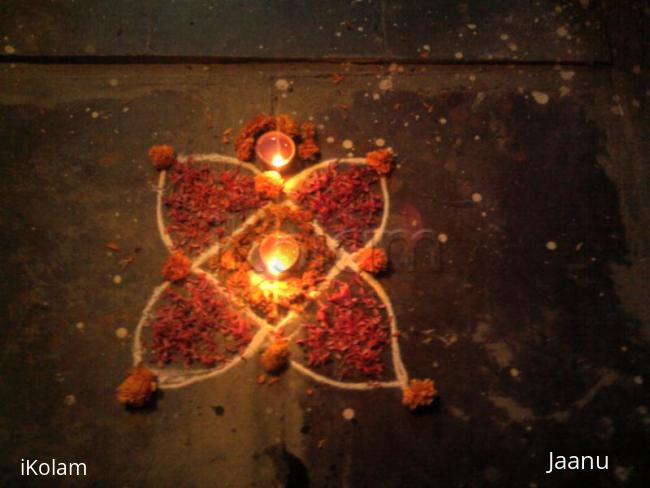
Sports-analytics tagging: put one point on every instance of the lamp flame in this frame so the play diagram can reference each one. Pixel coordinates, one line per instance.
(278, 161)
(279, 252)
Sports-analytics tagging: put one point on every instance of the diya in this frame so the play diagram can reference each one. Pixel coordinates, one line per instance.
(279, 252)
(276, 150)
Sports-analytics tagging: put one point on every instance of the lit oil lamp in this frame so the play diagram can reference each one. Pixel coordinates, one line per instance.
(276, 149)
(279, 252)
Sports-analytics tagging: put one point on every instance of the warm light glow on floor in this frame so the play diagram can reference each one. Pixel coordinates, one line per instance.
(272, 289)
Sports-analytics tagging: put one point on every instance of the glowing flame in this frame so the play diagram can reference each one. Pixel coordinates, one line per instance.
(278, 161)
(276, 266)
(279, 253)
(274, 177)
(273, 289)
(276, 149)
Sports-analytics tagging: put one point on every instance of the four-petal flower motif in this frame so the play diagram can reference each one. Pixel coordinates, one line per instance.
(253, 330)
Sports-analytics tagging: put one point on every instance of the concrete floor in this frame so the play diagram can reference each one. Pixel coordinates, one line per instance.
(534, 350)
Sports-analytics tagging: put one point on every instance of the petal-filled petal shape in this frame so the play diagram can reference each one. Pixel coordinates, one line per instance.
(189, 332)
(352, 342)
(201, 198)
(347, 198)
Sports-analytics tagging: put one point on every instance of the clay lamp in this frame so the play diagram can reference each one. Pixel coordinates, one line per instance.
(276, 149)
(279, 253)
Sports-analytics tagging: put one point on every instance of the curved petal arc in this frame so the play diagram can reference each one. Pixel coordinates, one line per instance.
(160, 220)
(342, 384)
(184, 158)
(401, 375)
(175, 377)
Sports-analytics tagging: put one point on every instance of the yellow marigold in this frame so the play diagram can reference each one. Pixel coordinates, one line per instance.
(176, 267)
(162, 156)
(381, 161)
(276, 356)
(269, 184)
(419, 393)
(372, 259)
(137, 388)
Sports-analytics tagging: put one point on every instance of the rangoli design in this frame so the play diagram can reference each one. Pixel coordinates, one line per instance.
(331, 320)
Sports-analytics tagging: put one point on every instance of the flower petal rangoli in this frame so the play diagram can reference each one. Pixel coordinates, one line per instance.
(331, 320)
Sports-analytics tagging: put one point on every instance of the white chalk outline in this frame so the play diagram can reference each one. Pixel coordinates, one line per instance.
(170, 378)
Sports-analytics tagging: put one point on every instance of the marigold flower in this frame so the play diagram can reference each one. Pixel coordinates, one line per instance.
(381, 161)
(419, 393)
(269, 184)
(245, 149)
(176, 266)
(308, 150)
(286, 123)
(276, 356)
(372, 259)
(245, 142)
(136, 390)
(228, 260)
(162, 156)
(307, 130)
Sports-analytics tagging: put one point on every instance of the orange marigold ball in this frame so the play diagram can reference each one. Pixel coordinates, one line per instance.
(372, 259)
(245, 141)
(308, 150)
(229, 261)
(162, 156)
(245, 149)
(176, 267)
(138, 387)
(419, 393)
(269, 184)
(307, 130)
(286, 123)
(276, 357)
(381, 161)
